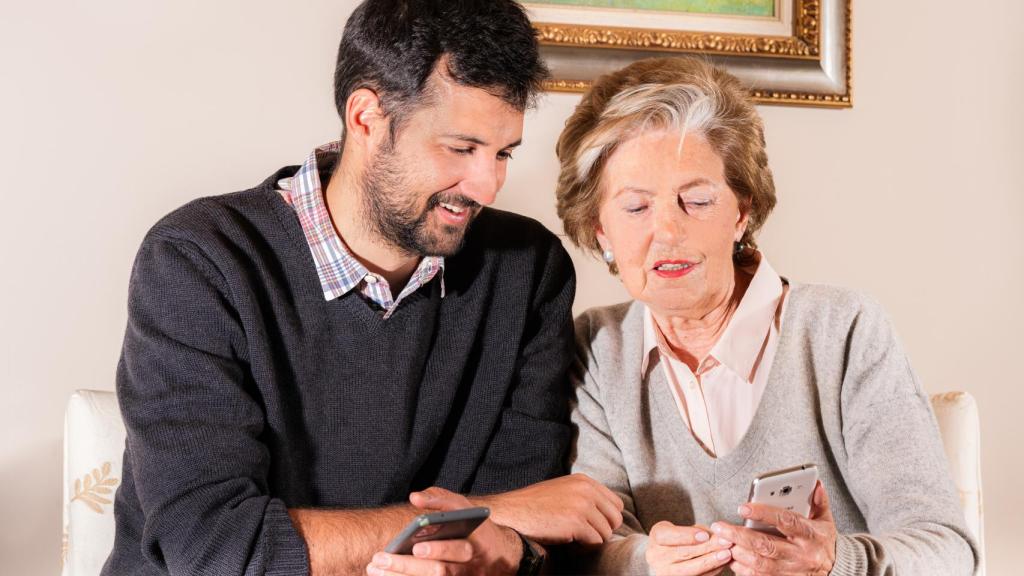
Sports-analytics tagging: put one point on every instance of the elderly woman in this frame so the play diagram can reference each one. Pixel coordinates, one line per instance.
(720, 370)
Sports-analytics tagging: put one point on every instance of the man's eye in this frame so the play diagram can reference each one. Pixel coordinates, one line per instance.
(504, 155)
(462, 151)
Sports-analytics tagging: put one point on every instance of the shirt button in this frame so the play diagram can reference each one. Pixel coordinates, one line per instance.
(371, 279)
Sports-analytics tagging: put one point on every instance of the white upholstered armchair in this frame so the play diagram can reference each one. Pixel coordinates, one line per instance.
(957, 415)
(94, 442)
(93, 447)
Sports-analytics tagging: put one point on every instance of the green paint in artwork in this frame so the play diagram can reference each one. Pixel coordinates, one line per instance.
(720, 7)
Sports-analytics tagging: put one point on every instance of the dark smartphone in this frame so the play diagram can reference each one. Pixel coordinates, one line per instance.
(453, 525)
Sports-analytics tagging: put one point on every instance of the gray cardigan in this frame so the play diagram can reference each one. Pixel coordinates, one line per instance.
(841, 394)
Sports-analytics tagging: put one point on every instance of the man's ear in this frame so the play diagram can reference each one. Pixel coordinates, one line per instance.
(364, 118)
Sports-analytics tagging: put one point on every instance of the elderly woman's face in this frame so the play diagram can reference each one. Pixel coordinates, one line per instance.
(670, 219)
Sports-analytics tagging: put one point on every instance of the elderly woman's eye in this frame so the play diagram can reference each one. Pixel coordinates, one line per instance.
(693, 204)
(635, 209)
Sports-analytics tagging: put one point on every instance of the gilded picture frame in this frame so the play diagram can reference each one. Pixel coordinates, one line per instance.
(800, 55)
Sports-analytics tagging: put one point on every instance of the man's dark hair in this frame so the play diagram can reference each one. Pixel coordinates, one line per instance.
(392, 46)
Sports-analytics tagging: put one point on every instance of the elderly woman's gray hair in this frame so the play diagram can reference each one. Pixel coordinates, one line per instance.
(684, 94)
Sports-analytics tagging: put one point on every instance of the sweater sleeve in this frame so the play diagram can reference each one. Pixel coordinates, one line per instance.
(897, 470)
(533, 434)
(193, 427)
(596, 454)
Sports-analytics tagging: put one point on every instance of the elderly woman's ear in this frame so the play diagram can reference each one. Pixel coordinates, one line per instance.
(741, 225)
(607, 254)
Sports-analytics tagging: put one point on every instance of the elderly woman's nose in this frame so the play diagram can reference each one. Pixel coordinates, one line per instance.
(669, 225)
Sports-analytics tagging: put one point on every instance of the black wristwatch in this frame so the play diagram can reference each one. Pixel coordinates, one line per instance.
(532, 560)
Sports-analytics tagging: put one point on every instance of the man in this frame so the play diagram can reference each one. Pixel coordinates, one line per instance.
(311, 363)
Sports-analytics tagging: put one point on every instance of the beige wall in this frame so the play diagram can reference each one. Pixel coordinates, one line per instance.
(112, 113)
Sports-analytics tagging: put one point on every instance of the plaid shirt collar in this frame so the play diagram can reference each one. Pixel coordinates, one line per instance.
(339, 271)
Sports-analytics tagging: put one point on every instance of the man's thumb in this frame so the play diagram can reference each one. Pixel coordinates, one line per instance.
(437, 499)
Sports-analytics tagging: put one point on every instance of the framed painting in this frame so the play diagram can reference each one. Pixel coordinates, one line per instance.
(786, 51)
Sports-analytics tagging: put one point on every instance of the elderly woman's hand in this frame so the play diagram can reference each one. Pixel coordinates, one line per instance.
(685, 551)
(809, 545)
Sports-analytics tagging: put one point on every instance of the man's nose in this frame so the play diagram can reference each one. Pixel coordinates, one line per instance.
(483, 182)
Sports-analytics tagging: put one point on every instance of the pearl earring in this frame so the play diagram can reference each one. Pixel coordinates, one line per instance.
(608, 256)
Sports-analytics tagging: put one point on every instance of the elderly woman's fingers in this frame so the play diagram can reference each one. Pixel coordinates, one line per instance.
(740, 569)
(702, 564)
(764, 545)
(708, 551)
(821, 507)
(685, 550)
(788, 522)
(668, 534)
(706, 564)
(709, 563)
(758, 553)
(780, 564)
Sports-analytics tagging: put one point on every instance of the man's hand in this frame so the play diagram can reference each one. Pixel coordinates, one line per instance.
(490, 549)
(685, 551)
(809, 545)
(572, 508)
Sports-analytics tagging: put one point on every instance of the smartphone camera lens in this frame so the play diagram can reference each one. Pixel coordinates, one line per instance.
(786, 490)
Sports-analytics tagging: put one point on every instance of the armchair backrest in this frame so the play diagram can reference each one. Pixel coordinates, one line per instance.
(957, 415)
(93, 449)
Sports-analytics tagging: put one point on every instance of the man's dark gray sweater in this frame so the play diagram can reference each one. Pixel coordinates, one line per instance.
(245, 392)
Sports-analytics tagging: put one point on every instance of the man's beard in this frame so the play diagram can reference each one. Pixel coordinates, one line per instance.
(391, 212)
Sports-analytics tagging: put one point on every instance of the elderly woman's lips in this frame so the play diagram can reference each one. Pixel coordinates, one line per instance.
(673, 269)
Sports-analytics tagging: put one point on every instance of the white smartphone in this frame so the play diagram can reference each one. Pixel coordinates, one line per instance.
(789, 489)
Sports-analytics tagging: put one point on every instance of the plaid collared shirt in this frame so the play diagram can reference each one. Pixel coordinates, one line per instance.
(338, 269)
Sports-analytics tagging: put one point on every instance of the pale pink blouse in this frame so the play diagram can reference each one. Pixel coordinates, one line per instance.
(719, 401)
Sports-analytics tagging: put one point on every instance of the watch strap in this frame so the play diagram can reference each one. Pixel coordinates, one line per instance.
(532, 560)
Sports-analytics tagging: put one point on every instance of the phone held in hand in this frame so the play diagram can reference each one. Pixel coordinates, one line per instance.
(790, 489)
(452, 525)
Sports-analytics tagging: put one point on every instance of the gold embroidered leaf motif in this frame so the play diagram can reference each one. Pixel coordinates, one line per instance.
(89, 488)
(97, 499)
(96, 507)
